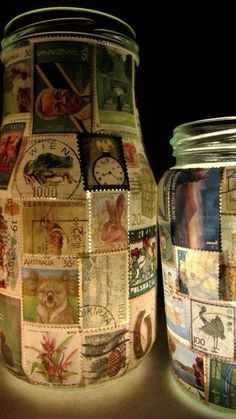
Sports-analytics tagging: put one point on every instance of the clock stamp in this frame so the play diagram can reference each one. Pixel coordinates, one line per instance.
(55, 228)
(103, 162)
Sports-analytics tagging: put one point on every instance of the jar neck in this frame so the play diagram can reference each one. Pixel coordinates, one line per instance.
(205, 141)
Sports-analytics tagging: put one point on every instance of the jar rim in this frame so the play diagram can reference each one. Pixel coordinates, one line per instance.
(206, 125)
(58, 20)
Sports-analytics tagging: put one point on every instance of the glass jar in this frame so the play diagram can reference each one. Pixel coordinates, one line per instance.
(197, 224)
(78, 217)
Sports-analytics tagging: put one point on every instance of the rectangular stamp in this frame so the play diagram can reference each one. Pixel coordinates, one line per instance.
(10, 143)
(194, 199)
(142, 325)
(115, 82)
(52, 355)
(166, 247)
(228, 191)
(177, 314)
(104, 290)
(213, 328)
(10, 241)
(62, 79)
(50, 295)
(143, 261)
(188, 365)
(103, 162)
(109, 215)
(198, 273)
(10, 335)
(170, 278)
(17, 81)
(221, 383)
(104, 355)
(55, 228)
(164, 195)
(49, 169)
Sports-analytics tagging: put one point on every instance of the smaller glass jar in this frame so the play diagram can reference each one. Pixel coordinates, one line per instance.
(197, 231)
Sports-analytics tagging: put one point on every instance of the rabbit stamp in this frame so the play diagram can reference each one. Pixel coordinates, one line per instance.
(112, 230)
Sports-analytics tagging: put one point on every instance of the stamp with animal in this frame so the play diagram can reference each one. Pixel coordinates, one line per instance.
(50, 295)
(213, 328)
(55, 228)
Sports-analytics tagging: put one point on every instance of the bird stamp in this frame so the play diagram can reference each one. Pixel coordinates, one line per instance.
(49, 169)
(55, 228)
(213, 328)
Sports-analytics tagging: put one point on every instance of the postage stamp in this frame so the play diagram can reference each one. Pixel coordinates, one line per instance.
(170, 278)
(164, 195)
(109, 214)
(62, 79)
(52, 355)
(55, 228)
(17, 81)
(50, 296)
(10, 326)
(10, 143)
(103, 162)
(194, 197)
(142, 325)
(49, 168)
(104, 290)
(166, 247)
(104, 355)
(143, 260)
(213, 328)
(9, 244)
(228, 191)
(187, 365)
(198, 273)
(221, 385)
(177, 318)
(115, 83)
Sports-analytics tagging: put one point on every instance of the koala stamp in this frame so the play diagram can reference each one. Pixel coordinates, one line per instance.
(51, 293)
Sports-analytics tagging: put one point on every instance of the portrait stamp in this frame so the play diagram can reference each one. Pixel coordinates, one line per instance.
(221, 385)
(17, 81)
(213, 328)
(50, 295)
(10, 143)
(228, 191)
(143, 261)
(104, 355)
(9, 244)
(62, 79)
(52, 355)
(198, 273)
(49, 169)
(115, 83)
(142, 325)
(10, 326)
(109, 227)
(103, 162)
(194, 199)
(55, 228)
(177, 314)
(102, 308)
(166, 247)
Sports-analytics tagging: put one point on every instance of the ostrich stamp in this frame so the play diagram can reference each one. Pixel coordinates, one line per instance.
(213, 328)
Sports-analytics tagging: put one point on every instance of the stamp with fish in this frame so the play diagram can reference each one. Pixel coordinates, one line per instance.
(55, 228)
(104, 272)
(213, 328)
(49, 169)
(109, 215)
(52, 355)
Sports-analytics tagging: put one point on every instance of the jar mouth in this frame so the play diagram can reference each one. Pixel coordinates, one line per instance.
(211, 136)
(69, 20)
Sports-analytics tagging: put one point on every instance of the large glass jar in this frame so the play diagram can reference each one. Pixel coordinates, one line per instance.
(197, 219)
(77, 201)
